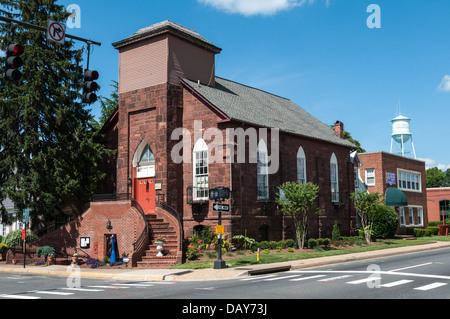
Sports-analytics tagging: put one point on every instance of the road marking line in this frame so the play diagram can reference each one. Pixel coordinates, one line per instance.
(431, 286)
(52, 292)
(19, 297)
(83, 289)
(360, 281)
(335, 278)
(305, 278)
(426, 264)
(258, 277)
(396, 283)
(282, 277)
(134, 285)
(108, 287)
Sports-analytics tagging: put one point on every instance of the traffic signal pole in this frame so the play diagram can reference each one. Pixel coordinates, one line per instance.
(36, 27)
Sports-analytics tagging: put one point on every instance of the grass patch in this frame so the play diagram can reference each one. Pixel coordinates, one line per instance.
(276, 257)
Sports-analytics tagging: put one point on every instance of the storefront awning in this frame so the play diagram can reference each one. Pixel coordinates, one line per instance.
(395, 197)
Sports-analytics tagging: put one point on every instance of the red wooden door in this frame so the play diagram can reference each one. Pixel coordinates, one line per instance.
(145, 194)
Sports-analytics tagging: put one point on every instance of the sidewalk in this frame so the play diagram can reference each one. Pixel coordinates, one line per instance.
(217, 274)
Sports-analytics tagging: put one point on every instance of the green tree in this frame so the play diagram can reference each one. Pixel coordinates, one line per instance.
(367, 206)
(109, 105)
(437, 178)
(49, 150)
(299, 201)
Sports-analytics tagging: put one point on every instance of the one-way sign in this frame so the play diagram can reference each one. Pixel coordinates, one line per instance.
(221, 207)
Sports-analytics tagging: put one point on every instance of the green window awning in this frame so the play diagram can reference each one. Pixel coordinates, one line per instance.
(395, 197)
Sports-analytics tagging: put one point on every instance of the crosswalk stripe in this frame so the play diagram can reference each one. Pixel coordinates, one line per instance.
(431, 286)
(134, 285)
(108, 287)
(356, 282)
(257, 277)
(306, 278)
(282, 277)
(45, 292)
(19, 297)
(83, 289)
(335, 278)
(396, 283)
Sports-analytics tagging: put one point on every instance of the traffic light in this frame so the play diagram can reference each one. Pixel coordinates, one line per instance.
(90, 86)
(13, 62)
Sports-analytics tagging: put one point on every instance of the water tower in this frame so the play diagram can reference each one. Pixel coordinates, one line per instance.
(401, 139)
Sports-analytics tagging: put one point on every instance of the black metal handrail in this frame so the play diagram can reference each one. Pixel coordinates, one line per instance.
(143, 238)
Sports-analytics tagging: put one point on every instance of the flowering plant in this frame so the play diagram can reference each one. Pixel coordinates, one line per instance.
(193, 250)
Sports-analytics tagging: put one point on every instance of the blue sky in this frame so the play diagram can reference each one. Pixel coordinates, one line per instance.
(319, 53)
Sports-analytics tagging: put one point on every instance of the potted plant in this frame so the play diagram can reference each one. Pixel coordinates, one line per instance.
(50, 259)
(47, 252)
(159, 246)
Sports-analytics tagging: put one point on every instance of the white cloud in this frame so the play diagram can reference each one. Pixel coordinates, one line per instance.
(445, 84)
(430, 163)
(256, 7)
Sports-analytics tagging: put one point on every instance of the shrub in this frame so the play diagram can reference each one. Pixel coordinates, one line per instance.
(312, 243)
(3, 247)
(266, 251)
(336, 233)
(45, 251)
(282, 244)
(290, 249)
(326, 242)
(273, 245)
(14, 238)
(193, 251)
(264, 245)
(385, 223)
(433, 230)
(290, 243)
(254, 246)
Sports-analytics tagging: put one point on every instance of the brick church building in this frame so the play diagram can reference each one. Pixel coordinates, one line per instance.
(180, 130)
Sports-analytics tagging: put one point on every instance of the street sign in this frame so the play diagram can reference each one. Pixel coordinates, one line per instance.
(26, 215)
(220, 229)
(221, 207)
(56, 31)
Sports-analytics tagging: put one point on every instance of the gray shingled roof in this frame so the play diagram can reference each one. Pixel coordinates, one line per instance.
(247, 104)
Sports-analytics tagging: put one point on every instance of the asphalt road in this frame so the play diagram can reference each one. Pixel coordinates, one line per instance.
(415, 276)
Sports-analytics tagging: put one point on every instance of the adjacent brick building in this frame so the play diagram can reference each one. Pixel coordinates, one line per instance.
(381, 171)
(438, 202)
(180, 130)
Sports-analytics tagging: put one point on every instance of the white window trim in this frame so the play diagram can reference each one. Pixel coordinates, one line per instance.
(262, 170)
(199, 147)
(401, 216)
(372, 176)
(301, 157)
(399, 184)
(334, 184)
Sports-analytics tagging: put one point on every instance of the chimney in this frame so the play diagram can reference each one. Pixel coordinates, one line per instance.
(339, 129)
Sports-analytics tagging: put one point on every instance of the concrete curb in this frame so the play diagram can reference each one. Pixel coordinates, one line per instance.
(228, 273)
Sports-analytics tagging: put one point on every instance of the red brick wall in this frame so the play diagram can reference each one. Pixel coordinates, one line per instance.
(434, 196)
(385, 162)
(126, 221)
(248, 214)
